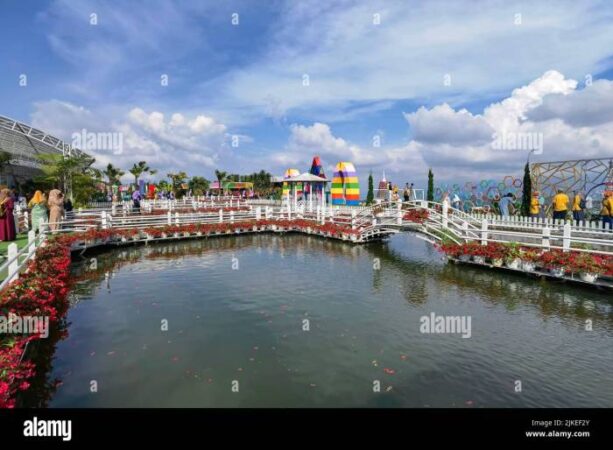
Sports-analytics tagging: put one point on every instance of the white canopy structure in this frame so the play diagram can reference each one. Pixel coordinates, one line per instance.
(307, 178)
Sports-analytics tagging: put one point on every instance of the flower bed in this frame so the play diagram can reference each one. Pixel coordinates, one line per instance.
(416, 215)
(40, 291)
(186, 210)
(587, 265)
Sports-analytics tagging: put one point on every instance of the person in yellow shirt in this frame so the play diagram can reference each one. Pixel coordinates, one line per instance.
(578, 207)
(560, 205)
(607, 211)
(535, 205)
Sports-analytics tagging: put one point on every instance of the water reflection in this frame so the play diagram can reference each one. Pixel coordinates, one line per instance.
(403, 268)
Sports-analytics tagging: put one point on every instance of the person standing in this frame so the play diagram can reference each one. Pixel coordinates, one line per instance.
(505, 204)
(68, 209)
(456, 202)
(560, 205)
(607, 211)
(56, 209)
(136, 198)
(38, 205)
(535, 205)
(406, 193)
(7, 219)
(578, 207)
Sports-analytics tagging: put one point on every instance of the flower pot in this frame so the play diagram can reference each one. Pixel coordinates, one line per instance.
(479, 259)
(254, 228)
(273, 227)
(588, 277)
(186, 233)
(464, 258)
(176, 235)
(497, 262)
(124, 239)
(513, 263)
(163, 235)
(557, 272)
(528, 266)
(198, 233)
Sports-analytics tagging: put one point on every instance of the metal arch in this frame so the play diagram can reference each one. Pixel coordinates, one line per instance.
(48, 140)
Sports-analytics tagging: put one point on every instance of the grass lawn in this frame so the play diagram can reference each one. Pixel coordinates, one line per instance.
(22, 239)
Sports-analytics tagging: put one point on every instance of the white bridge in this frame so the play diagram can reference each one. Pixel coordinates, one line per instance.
(433, 222)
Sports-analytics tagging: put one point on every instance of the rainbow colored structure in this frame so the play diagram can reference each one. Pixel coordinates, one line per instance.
(289, 173)
(345, 185)
(316, 169)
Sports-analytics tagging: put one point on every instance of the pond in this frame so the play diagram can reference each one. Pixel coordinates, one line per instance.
(299, 321)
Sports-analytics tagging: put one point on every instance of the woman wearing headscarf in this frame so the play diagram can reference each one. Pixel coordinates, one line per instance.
(38, 205)
(56, 209)
(7, 220)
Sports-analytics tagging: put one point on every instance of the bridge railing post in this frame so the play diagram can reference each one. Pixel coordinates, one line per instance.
(169, 217)
(464, 227)
(484, 233)
(353, 214)
(13, 268)
(566, 237)
(220, 215)
(545, 237)
(399, 214)
(445, 214)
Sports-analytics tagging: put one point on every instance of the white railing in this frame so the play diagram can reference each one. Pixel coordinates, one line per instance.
(447, 222)
(523, 221)
(18, 259)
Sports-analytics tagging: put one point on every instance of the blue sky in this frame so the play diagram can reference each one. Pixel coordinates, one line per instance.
(375, 69)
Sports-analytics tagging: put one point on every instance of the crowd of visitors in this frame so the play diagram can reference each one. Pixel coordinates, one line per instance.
(45, 210)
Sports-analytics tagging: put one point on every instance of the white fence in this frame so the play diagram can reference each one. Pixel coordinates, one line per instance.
(18, 259)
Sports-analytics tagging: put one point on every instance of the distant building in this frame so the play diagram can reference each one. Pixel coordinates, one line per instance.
(25, 143)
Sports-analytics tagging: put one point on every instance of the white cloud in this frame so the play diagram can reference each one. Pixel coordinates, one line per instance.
(443, 124)
(586, 107)
(550, 106)
(306, 141)
(181, 143)
(350, 60)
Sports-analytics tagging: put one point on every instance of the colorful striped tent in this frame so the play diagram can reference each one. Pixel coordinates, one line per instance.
(289, 173)
(345, 185)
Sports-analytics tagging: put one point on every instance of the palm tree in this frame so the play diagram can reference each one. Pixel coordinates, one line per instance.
(113, 174)
(74, 175)
(176, 180)
(138, 169)
(220, 176)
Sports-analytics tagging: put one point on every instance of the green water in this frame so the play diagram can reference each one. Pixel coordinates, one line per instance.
(299, 321)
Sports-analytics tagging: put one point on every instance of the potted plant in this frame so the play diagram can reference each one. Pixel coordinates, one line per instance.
(529, 259)
(513, 256)
(555, 261)
(588, 266)
(495, 253)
